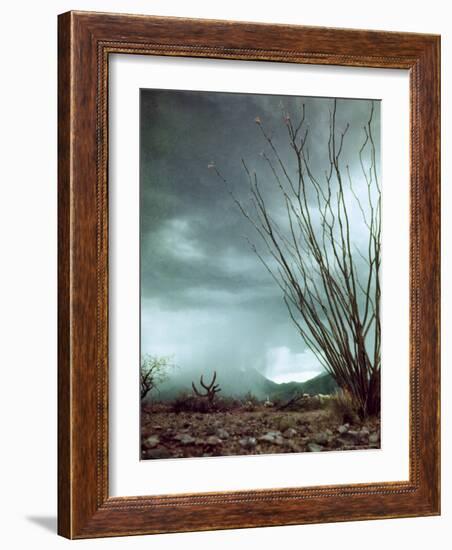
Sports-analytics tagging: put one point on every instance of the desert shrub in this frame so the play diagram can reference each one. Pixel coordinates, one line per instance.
(301, 403)
(250, 402)
(153, 407)
(249, 396)
(192, 403)
(224, 404)
(277, 402)
(153, 371)
(342, 407)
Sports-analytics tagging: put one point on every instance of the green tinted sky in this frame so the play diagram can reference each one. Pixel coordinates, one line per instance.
(205, 297)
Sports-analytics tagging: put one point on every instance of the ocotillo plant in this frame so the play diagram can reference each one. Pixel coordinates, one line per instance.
(329, 280)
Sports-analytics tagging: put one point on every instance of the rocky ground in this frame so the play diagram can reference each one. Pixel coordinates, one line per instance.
(166, 434)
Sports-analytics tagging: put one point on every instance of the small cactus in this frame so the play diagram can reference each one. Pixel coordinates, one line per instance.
(210, 389)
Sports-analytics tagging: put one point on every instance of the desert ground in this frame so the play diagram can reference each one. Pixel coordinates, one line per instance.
(313, 424)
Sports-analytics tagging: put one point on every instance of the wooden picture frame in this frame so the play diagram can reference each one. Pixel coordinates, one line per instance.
(85, 42)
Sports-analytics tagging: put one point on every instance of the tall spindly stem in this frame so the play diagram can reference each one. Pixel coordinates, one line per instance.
(312, 256)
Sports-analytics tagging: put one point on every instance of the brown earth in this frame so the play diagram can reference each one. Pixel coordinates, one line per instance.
(166, 434)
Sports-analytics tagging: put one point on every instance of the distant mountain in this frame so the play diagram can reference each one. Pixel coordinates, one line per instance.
(239, 382)
(322, 383)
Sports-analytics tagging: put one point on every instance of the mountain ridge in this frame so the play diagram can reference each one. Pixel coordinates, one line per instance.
(244, 381)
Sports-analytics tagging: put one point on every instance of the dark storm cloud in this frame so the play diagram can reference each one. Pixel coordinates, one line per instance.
(203, 289)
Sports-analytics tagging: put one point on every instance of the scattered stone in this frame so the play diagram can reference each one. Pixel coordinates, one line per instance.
(343, 444)
(294, 447)
(248, 442)
(158, 452)
(321, 438)
(346, 447)
(184, 439)
(273, 437)
(364, 434)
(314, 448)
(213, 440)
(274, 433)
(285, 423)
(151, 442)
(262, 431)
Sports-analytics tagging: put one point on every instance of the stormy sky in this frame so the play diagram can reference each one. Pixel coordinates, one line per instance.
(206, 299)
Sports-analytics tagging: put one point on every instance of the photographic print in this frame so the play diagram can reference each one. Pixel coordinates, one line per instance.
(260, 251)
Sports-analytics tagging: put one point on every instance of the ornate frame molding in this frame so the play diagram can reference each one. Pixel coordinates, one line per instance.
(85, 42)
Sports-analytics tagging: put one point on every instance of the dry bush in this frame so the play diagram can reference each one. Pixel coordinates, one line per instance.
(224, 404)
(300, 403)
(192, 403)
(154, 407)
(153, 371)
(342, 407)
(250, 402)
